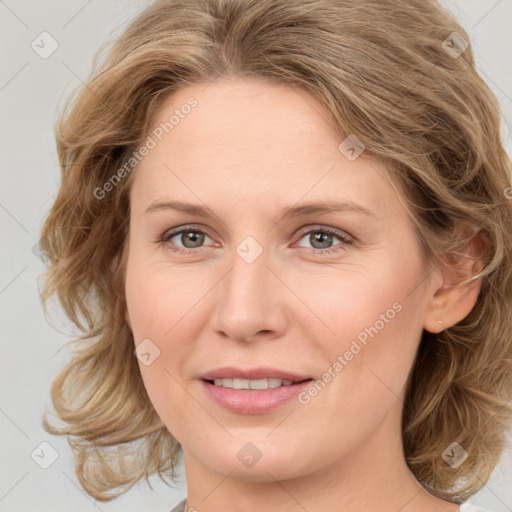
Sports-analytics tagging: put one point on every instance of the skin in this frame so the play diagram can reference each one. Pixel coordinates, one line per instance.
(248, 150)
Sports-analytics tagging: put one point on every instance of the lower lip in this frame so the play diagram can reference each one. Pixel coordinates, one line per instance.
(253, 401)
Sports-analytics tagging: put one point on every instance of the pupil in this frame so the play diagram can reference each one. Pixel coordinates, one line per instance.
(194, 237)
(323, 238)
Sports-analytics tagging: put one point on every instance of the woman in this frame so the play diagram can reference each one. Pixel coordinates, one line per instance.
(284, 229)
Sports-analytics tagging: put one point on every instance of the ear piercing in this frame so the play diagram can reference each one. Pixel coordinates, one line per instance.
(439, 321)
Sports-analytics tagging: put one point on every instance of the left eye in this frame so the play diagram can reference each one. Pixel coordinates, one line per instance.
(323, 238)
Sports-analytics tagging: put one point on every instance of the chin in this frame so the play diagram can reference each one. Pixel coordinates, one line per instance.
(252, 462)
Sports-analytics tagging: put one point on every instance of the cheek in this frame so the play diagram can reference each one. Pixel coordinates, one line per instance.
(158, 297)
(160, 304)
(377, 325)
(366, 365)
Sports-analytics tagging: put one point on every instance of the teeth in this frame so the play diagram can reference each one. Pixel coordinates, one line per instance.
(252, 384)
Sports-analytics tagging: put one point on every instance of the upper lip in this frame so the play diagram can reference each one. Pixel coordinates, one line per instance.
(230, 372)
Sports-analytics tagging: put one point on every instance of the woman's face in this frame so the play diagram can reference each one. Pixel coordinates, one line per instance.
(275, 286)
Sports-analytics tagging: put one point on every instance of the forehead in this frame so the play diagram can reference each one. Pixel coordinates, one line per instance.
(259, 109)
(248, 139)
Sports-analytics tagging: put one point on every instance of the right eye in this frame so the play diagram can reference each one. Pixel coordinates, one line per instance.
(191, 239)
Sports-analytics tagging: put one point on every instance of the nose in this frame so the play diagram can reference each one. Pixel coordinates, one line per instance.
(252, 302)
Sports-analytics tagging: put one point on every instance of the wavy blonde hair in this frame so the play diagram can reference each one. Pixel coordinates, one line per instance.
(383, 70)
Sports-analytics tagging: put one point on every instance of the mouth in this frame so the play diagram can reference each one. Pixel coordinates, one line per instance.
(255, 390)
(254, 384)
(253, 396)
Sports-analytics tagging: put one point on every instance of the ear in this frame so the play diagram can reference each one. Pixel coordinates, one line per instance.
(455, 287)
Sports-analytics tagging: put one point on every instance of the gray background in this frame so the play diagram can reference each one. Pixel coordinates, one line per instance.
(32, 90)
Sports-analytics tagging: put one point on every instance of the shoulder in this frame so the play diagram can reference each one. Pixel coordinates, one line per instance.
(468, 507)
(181, 506)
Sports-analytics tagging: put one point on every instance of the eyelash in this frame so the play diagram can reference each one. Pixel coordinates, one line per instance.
(167, 235)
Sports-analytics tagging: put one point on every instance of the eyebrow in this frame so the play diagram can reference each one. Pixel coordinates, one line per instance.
(287, 213)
